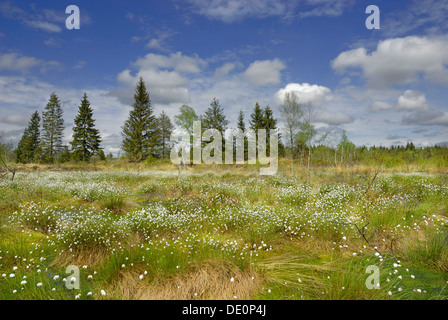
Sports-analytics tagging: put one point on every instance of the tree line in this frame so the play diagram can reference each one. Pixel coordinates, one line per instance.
(146, 136)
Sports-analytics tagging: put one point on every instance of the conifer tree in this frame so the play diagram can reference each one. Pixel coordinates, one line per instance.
(29, 144)
(166, 127)
(241, 125)
(256, 118)
(140, 132)
(52, 129)
(270, 123)
(86, 138)
(215, 118)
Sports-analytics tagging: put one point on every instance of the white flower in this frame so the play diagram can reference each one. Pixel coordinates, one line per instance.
(103, 293)
(23, 282)
(412, 276)
(232, 279)
(389, 293)
(39, 284)
(55, 278)
(141, 277)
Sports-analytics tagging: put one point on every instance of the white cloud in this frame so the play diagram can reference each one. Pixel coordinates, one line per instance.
(16, 62)
(176, 61)
(234, 10)
(334, 119)
(327, 8)
(224, 70)
(412, 101)
(399, 61)
(229, 11)
(380, 106)
(261, 73)
(45, 20)
(315, 94)
(431, 15)
(430, 117)
(44, 26)
(165, 75)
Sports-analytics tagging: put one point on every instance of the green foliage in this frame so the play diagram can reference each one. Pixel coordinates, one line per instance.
(215, 118)
(166, 127)
(186, 118)
(52, 129)
(86, 138)
(241, 124)
(27, 148)
(140, 132)
(257, 118)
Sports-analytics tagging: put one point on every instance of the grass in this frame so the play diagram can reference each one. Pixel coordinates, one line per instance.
(142, 233)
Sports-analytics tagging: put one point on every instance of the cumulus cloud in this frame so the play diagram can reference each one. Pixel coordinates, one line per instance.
(224, 70)
(399, 61)
(412, 101)
(261, 73)
(165, 76)
(17, 62)
(315, 94)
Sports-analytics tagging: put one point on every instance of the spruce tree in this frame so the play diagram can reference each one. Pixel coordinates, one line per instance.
(86, 138)
(166, 127)
(52, 129)
(241, 125)
(270, 123)
(140, 132)
(29, 144)
(256, 118)
(215, 118)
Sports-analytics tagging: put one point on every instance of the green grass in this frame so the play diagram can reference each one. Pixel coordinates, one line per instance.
(295, 236)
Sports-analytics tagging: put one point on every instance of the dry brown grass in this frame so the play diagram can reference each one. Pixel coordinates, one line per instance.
(207, 281)
(89, 258)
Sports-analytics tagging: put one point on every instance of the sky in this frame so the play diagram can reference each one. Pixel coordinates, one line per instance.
(383, 87)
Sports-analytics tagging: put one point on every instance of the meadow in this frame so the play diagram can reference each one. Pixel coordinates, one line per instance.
(143, 232)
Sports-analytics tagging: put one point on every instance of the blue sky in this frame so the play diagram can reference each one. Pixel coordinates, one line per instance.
(383, 87)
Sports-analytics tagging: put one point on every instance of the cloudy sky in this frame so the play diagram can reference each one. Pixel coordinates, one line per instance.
(384, 87)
